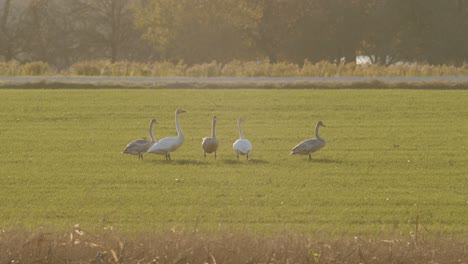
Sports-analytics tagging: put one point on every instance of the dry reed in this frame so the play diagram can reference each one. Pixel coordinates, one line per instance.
(233, 69)
(80, 246)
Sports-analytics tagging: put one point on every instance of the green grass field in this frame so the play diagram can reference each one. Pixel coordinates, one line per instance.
(394, 160)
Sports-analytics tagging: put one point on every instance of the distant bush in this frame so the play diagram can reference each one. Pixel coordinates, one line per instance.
(232, 69)
(319, 69)
(125, 68)
(88, 68)
(168, 69)
(10, 68)
(35, 68)
(246, 69)
(212, 69)
(284, 69)
(235, 68)
(13, 68)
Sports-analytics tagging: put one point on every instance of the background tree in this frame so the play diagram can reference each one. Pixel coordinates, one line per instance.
(194, 30)
(106, 28)
(11, 41)
(62, 32)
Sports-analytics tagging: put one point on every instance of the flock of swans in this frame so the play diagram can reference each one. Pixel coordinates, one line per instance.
(241, 146)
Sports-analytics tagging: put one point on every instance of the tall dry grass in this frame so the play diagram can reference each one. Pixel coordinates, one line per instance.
(80, 246)
(264, 68)
(13, 68)
(106, 68)
(234, 68)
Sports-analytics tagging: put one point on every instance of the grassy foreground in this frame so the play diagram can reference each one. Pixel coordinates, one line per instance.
(395, 162)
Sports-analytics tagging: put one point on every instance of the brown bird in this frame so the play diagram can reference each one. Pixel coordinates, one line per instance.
(140, 146)
(308, 146)
(210, 144)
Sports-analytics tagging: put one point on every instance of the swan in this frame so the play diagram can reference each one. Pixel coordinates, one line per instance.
(308, 146)
(242, 146)
(169, 144)
(210, 144)
(139, 146)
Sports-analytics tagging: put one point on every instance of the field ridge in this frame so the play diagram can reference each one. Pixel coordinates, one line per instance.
(60, 82)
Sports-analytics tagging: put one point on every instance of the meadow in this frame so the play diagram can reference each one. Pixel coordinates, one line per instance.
(395, 162)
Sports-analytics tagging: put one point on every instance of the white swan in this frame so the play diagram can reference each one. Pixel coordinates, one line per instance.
(140, 146)
(308, 146)
(170, 144)
(210, 144)
(242, 146)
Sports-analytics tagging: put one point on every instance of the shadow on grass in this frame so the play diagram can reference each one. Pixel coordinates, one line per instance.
(332, 161)
(179, 161)
(322, 160)
(244, 161)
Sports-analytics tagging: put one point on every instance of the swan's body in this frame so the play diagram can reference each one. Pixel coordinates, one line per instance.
(242, 146)
(169, 144)
(308, 146)
(140, 146)
(210, 144)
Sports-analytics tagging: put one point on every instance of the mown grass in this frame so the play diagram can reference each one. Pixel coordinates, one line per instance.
(395, 160)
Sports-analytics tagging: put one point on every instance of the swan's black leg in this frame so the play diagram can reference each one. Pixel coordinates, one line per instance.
(204, 154)
(237, 156)
(247, 156)
(310, 157)
(215, 154)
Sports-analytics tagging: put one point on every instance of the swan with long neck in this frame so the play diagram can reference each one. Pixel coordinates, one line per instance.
(169, 144)
(242, 146)
(140, 146)
(210, 144)
(308, 146)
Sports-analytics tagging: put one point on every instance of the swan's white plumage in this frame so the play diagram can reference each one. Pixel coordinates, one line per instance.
(242, 146)
(210, 144)
(169, 144)
(309, 146)
(140, 146)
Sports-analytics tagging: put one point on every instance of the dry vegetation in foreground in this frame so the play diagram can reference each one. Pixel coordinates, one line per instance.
(80, 246)
(232, 69)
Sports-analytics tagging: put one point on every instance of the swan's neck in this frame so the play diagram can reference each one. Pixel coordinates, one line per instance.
(241, 135)
(179, 130)
(213, 129)
(153, 139)
(317, 135)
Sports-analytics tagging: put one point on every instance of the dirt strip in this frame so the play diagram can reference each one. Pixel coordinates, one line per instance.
(60, 82)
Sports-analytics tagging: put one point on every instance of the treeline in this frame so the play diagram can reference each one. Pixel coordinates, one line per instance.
(63, 32)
